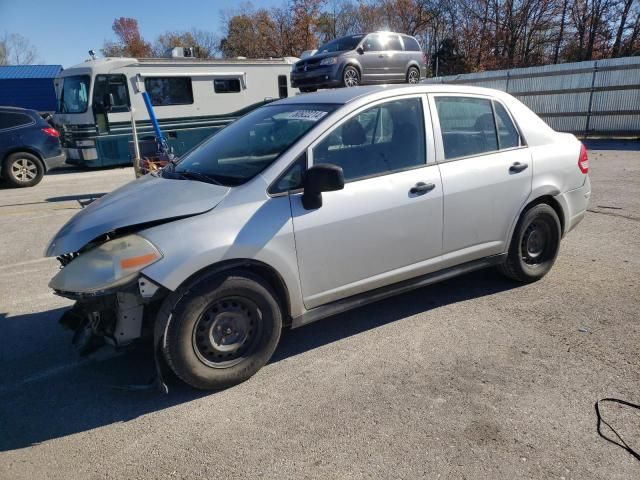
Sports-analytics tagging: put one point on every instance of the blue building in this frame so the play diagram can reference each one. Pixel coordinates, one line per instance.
(29, 86)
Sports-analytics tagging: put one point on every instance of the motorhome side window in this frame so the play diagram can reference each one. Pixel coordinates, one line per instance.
(226, 85)
(169, 90)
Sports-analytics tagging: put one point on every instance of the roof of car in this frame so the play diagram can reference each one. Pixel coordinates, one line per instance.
(343, 96)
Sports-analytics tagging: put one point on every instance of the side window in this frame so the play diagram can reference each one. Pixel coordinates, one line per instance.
(372, 44)
(169, 90)
(467, 126)
(382, 139)
(507, 132)
(14, 119)
(292, 178)
(283, 91)
(226, 85)
(393, 43)
(411, 44)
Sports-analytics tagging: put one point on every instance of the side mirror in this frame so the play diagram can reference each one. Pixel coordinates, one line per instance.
(360, 50)
(323, 177)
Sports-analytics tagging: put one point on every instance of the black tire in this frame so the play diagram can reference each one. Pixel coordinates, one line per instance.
(534, 245)
(413, 75)
(22, 169)
(308, 90)
(198, 346)
(350, 77)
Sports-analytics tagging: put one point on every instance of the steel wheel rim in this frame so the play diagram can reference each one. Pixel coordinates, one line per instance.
(536, 243)
(413, 76)
(24, 170)
(351, 78)
(227, 331)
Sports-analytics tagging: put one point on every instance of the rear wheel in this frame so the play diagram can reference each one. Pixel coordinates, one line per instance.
(413, 75)
(534, 245)
(350, 77)
(223, 330)
(22, 169)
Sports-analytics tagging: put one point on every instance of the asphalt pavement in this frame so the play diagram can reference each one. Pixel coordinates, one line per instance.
(476, 377)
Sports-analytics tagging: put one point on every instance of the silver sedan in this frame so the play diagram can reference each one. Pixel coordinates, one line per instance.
(314, 205)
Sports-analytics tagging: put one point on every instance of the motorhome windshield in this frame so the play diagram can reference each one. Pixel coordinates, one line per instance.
(249, 145)
(341, 44)
(74, 96)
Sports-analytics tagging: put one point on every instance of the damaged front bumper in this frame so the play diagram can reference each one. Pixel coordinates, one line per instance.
(114, 317)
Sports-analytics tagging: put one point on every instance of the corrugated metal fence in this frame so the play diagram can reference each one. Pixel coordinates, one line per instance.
(586, 98)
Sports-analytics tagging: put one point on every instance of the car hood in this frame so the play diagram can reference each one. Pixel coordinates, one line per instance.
(320, 56)
(146, 200)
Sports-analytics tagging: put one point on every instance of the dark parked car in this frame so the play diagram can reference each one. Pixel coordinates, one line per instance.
(381, 57)
(29, 146)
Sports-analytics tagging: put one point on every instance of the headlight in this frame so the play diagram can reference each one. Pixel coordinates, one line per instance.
(113, 263)
(329, 61)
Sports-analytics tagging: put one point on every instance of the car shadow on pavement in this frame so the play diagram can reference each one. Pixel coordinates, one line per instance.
(47, 393)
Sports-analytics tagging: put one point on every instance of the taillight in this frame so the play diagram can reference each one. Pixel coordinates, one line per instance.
(52, 132)
(583, 160)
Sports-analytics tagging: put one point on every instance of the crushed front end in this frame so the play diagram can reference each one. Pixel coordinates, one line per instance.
(115, 303)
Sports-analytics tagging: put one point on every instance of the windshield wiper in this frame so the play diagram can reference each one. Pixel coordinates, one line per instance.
(202, 177)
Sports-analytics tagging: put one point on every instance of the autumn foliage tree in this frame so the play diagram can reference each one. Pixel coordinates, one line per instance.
(456, 35)
(129, 40)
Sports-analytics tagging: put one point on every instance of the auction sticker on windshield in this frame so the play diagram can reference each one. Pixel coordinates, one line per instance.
(311, 115)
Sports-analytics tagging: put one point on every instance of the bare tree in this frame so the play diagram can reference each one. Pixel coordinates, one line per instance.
(17, 50)
(622, 26)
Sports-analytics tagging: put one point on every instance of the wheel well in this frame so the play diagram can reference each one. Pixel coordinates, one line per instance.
(264, 271)
(553, 203)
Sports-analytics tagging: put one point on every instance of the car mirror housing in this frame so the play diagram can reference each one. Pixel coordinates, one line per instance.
(360, 50)
(324, 177)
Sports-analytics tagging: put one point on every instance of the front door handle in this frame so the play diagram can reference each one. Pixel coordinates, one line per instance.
(382, 56)
(518, 167)
(421, 188)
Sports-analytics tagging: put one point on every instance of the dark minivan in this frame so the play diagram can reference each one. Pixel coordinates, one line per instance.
(29, 147)
(380, 57)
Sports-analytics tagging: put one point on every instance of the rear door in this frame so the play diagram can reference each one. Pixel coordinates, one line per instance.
(386, 224)
(486, 174)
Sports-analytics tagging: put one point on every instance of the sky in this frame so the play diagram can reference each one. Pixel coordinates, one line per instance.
(63, 31)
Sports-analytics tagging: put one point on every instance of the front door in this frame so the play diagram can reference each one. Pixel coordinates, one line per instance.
(486, 175)
(386, 225)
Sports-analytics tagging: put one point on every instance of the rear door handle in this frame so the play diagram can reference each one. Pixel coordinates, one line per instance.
(518, 167)
(421, 188)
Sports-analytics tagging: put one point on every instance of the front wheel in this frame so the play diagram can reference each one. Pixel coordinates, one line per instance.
(534, 245)
(222, 330)
(350, 77)
(22, 169)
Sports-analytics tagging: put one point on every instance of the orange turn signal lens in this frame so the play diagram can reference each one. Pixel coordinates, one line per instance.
(133, 262)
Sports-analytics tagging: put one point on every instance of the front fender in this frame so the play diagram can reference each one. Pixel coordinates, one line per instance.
(260, 230)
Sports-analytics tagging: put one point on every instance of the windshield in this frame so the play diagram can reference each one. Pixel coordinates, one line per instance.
(341, 44)
(250, 144)
(74, 96)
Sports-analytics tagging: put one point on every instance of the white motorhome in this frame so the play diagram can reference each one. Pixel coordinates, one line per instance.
(192, 99)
